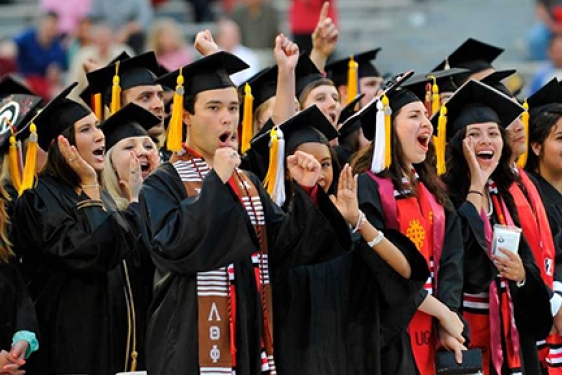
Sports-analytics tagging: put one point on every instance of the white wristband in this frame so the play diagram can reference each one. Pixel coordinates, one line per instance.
(377, 240)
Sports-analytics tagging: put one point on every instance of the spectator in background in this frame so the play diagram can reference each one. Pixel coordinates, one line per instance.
(258, 22)
(169, 45)
(103, 49)
(202, 11)
(549, 13)
(228, 39)
(81, 38)
(7, 57)
(130, 19)
(69, 16)
(303, 18)
(41, 57)
(552, 69)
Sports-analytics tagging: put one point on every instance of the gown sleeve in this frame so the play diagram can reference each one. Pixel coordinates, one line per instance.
(82, 240)
(26, 319)
(450, 276)
(193, 234)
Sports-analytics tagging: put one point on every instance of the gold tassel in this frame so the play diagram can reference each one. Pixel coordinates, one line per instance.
(134, 356)
(116, 91)
(15, 172)
(387, 132)
(175, 134)
(98, 107)
(435, 98)
(269, 182)
(522, 162)
(30, 160)
(352, 80)
(247, 119)
(441, 141)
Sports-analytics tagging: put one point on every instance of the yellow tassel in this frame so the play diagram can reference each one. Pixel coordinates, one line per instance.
(134, 356)
(522, 162)
(98, 107)
(30, 161)
(435, 99)
(15, 172)
(175, 134)
(116, 91)
(247, 119)
(352, 80)
(269, 182)
(441, 141)
(387, 132)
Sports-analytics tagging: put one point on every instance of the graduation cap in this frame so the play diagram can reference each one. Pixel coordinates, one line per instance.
(12, 85)
(495, 80)
(338, 70)
(305, 73)
(94, 100)
(209, 73)
(130, 121)
(550, 93)
(473, 55)
(123, 74)
(306, 126)
(473, 103)
(376, 121)
(58, 115)
(347, 112)
(427, 87)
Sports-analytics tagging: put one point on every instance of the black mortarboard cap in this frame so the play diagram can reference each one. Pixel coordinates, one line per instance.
(209, 73)
(136, 71)
(310, 125)
(473, 55)
(263, 85)
(130, 121)
(476, 102)
(495, 80)
(305, 73)
(57, 116)
(347, 112)
(337, 70)
(11, 85)
(19, 109)
(400, 97)
(417, 84)
(551, 93)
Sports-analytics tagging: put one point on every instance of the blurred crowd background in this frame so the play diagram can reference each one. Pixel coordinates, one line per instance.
(48, 41)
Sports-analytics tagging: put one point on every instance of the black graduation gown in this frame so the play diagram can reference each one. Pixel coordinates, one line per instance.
(531, 302)
(204, 233)
(137, 271)
(67, 256)
(16, 308)
(450, 279)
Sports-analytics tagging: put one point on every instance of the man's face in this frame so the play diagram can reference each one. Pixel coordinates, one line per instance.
(370, 86)
(151, 99)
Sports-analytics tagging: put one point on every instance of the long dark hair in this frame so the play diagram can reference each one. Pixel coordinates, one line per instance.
(457, 177)
(541, 126)
(361, 162)
(56, 165)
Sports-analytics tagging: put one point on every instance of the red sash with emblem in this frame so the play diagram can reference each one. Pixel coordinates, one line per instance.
(422, 220)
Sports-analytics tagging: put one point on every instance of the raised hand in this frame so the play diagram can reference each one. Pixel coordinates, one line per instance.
(286, 53)
(205, 44)
(131, 185)
(478, 175)
(304, 168)
(346, 199)
(226, 160)
(325, 36)
(85, 171)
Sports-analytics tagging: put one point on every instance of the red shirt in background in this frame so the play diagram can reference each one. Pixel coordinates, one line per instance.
(304, 14)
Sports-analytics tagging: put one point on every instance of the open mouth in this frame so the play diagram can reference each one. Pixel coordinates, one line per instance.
(423, 140)
(224, 138)
(99, 152)
(145, 166)
(485, 155)
(332, 117)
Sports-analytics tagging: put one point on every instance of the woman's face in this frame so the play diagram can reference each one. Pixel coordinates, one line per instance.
(487, 142)
(321, 152)
(414, 131)
(144, 149)
(327, 98)
(90, 141)
(550, 152)
(517, 138)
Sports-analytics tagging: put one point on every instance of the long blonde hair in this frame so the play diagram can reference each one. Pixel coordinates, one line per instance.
(160, 26)
(110, 182)
(5, 245)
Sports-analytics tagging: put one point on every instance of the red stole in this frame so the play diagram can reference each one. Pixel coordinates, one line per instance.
(494, 330)
(422, 220)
